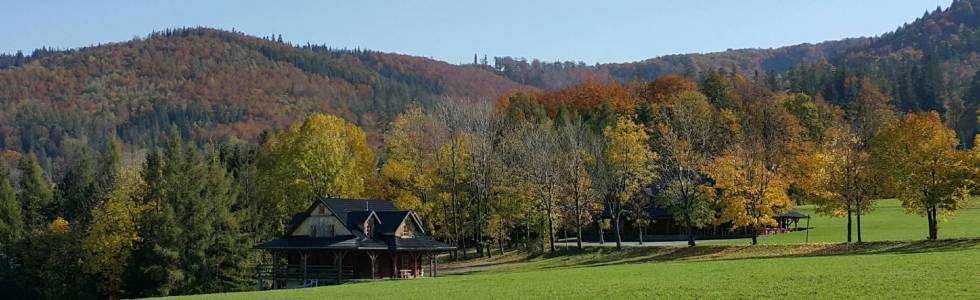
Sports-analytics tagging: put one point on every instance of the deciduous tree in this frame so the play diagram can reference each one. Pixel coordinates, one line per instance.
(686, 141)
(753, 175)
(626, 168)
(923, 168)
(322, 155)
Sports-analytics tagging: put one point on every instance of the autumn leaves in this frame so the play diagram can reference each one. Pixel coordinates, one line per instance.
(726, 152)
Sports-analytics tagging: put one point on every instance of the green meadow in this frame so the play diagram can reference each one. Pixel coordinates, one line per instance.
(895, 262)
(888, 222)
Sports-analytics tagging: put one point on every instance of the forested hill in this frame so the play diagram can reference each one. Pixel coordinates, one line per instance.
(942, 35)
(213, 85)
(756, 62)
(926, 65)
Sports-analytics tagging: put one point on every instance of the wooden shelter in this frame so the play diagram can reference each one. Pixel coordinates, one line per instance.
(790, 220)
(336, 240)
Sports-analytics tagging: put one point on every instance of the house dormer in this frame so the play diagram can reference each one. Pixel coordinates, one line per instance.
(320, 222)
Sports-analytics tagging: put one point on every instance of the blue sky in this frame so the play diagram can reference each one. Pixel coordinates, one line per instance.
(590, 31)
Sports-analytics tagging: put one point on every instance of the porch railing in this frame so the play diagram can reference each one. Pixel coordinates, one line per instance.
(308, 275)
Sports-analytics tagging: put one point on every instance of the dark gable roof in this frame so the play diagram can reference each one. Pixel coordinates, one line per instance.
(356, 218)
(390, 220)
(352, 213)
(296, 220)
(341, 207)
(385, 242)
(306, 242)
(415, 243)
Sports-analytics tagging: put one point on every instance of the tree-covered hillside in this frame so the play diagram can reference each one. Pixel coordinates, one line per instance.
(929, 64)
(212, 85)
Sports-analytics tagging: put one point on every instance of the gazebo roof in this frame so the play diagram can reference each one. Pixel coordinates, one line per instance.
(793, 215)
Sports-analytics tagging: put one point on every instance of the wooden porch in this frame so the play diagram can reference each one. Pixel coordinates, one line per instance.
(309, 268)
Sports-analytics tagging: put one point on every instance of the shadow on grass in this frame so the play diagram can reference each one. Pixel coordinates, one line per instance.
(889, 247)
(604, 256)
(638, 255)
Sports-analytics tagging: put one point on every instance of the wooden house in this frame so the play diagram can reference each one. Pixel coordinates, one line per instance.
(336, 240)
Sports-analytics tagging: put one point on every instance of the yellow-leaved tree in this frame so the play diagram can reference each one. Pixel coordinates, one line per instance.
(112, 234)
(322, 155)
(839, 175)
(752, 177)
(626, 168)
(923, 168)
(411, 164)
(840, 178)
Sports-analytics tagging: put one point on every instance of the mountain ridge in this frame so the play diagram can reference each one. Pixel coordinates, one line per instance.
(215, 85)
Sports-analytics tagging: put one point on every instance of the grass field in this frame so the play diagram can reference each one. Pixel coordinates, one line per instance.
(947, 269)
(898, 265)
(887, 223)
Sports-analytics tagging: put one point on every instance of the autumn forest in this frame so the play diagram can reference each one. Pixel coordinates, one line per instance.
(151, 167)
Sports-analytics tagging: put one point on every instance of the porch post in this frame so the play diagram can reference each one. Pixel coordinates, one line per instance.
(339, 257)
(374, 264)
(432, 265)
(394, 265)
(304, 254)
(275, 259)
(415, 265)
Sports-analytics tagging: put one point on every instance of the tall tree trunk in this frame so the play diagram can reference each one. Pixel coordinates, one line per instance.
(859, 225)
(452, 240)
(602, 235)
(551, 227)
(578, 217)
(755, 227)
(478, 235)
(500, 240)
(933, 224)
(455, 199)
(527, 235)
(619, 238)
(641, 236)
(848, 224)
(478, 227)
(544, 242)
(690, 232)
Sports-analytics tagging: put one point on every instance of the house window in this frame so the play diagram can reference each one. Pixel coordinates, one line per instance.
(322, 210)
(330, 230)
(313, 230)
(406, 231)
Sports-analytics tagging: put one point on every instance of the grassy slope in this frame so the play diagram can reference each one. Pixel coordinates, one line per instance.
(887, 223)
(947, 269)
(784, 268)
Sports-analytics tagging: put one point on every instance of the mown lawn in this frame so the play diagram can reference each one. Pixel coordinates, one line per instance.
(895, 263)
(948, 269)
(888, 222)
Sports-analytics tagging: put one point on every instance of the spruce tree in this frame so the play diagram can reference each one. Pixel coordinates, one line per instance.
(11, 218)
(110, 163)
(229, 251)
(153, 268)
(36, 195)
(77, 191)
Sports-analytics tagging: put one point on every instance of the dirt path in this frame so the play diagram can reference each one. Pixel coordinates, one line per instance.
(477, 268)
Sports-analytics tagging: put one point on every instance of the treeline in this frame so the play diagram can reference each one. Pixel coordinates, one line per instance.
(116, 221)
